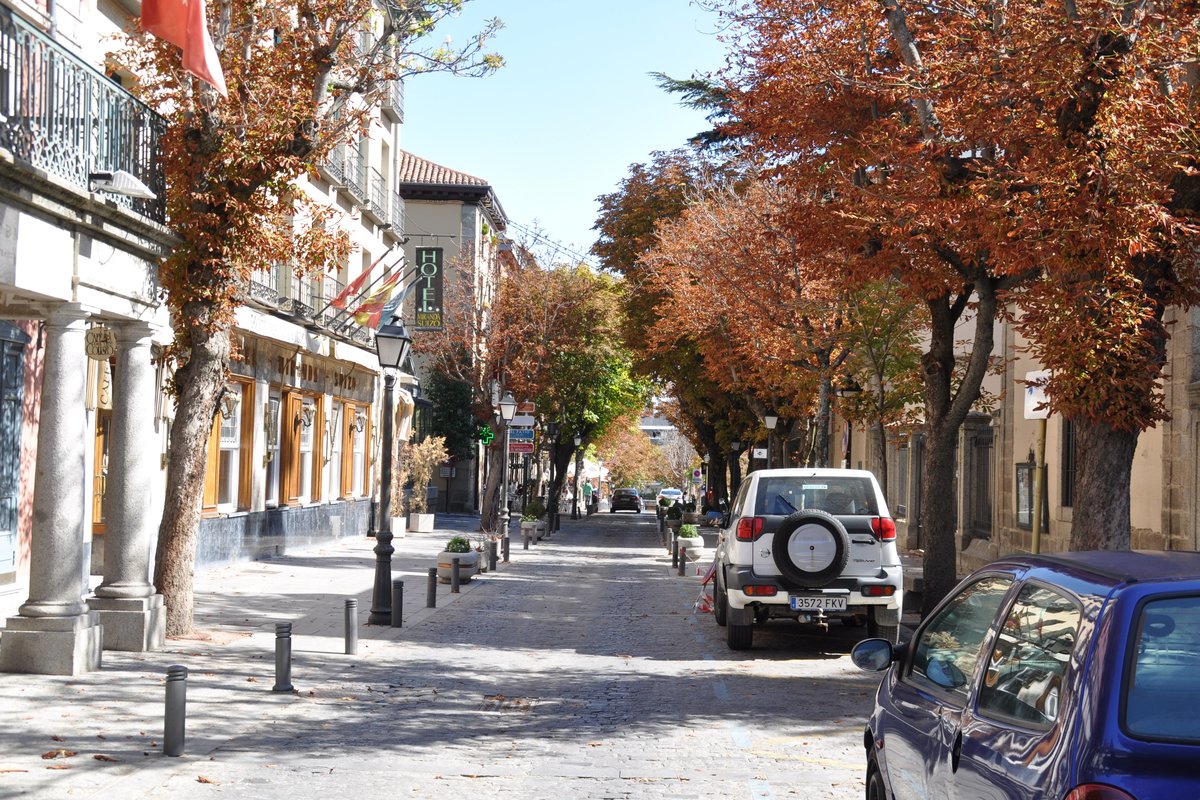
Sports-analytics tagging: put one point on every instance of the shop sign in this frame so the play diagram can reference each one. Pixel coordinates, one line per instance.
(428, 288)
(100, 343)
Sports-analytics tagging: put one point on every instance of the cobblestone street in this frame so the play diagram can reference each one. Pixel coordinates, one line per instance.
(576, 671)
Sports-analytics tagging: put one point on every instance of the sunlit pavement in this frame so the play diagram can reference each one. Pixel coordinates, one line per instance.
(579, 670)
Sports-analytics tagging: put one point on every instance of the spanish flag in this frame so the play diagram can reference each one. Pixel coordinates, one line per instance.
(184, 23)
(367, 314)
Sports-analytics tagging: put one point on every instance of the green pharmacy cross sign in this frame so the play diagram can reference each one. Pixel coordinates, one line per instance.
(485, 434)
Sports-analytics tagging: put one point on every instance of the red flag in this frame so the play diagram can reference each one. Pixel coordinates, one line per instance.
(184, 23)
(369, 312)
(355, 286)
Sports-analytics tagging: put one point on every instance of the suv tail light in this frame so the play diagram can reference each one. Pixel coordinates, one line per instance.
(1097, 791)
(884, 528)
(748, 528)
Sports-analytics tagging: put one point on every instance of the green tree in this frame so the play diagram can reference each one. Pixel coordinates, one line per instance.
(303, 76)
(453, 417)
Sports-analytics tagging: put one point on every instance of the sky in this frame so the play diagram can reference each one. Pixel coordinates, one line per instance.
(571, 110)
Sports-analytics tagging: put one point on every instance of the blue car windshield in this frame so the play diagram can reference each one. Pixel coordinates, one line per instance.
(1165, 680)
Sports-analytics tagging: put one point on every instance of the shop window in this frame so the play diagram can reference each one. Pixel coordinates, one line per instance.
(901, 504)
(336, 444)
(226, 482)
(1068, 463)
(307, 438)
(272, 419)
(358, 445)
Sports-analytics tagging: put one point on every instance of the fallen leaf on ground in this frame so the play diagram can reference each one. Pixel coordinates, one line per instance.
(251, 679)
(60, 753)
(102, 757)
(59, 766)
(57, 739)
(202, 779)
(6, 769)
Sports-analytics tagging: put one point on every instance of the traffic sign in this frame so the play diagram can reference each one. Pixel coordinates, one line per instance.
(520, 434)
(520, 447)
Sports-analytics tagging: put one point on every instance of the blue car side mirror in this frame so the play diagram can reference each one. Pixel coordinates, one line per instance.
(872, 655)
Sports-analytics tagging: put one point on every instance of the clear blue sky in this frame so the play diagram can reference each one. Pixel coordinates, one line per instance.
(573, 107)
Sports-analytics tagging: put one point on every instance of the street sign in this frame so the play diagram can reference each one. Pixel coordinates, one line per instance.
(520, 434)
(759, 452)
(1035, 394)
(520, 447)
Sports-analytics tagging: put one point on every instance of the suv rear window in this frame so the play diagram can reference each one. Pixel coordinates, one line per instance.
(626, 492)
(1165, 680)
(781, 495)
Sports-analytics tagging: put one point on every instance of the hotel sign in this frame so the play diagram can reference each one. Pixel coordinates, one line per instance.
(428, 314)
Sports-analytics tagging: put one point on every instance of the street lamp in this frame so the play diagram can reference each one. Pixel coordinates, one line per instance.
(575, 493)
(392, 344)
(847, 389)
(770, 421)
(508, 409)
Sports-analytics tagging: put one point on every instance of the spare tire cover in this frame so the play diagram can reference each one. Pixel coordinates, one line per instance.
(810, 548)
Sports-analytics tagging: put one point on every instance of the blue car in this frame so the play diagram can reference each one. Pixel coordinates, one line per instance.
(1068, 677)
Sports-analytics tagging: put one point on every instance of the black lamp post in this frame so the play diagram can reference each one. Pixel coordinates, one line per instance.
(508, 409)
(770, 421)
(575, 497)
(392, 344)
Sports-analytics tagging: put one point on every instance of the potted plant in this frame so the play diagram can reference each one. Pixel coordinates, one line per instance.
(422, 458)
(690, 515)
(691, 541)
(529, 526)
(674, 518)
(537, 509)
(468, 559)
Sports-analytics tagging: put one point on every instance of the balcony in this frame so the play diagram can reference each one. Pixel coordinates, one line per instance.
(397, 215)
(377, 196)
(393, 101)
(61, 115)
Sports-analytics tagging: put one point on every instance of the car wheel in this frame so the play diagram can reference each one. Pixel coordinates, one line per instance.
(612, 511)
(876, 630)
(720, 607)
(739, 637)
(810, 548)
(875, 788)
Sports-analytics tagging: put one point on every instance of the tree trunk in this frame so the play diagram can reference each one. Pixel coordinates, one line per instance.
(735, 473)
(937, 516)
(198, 384)
(879, 445)
(1103, 470)
(489, 517)
(821, 454)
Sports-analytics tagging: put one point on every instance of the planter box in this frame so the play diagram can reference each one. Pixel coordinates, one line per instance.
(468, 565)
(694, 547)
(692, 518)
(420, 523)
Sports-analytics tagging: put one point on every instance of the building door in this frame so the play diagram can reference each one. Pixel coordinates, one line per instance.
(12, 381)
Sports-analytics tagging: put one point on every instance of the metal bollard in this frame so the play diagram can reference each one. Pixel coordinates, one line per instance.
(504, 547)
(397, 603)
(683, 561)
(351, 626)
(431, 589)
(454, 575)
(491, 555)
(283, 657)
(525, 535)
(176, 710)
(674, 551)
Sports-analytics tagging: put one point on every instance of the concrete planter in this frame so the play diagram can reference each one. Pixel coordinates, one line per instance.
(531, 529)
(468, 565)
(420, 523)
(692, 518)
(694, 545)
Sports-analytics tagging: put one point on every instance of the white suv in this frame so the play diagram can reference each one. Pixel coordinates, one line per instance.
(808, 544)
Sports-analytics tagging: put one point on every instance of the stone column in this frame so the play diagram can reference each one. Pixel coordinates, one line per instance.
(55, 633)
(132, 614)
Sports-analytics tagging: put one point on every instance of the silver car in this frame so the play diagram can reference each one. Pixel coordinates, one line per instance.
(810, 545)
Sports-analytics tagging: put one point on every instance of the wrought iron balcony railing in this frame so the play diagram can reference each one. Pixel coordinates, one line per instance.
(61, 115)
(393, 102)
(356, 176)
(397, 217)
(377, 201)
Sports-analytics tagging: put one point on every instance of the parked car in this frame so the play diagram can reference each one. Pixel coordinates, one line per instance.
(810, 545)
(625, 500)
(669, 494)
(1069, 676)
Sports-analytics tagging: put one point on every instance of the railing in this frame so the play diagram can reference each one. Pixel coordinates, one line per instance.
(393, 102)
(356, 176)
(377, 200)
(397, 217)
(62, 115)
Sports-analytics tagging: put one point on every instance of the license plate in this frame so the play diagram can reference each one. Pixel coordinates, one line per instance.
(818, 602)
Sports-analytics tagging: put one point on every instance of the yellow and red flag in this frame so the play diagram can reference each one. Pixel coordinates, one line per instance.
(355, 286)
(367, 314)
(184, 23)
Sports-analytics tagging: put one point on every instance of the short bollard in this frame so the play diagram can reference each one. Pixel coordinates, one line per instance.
(397, 603)
(491, 555)
(504, 548)
(674, 552)
(525, 536)
(454, 575)
(431, 589)
(176, 710)
(683, 561)
(351, 626)
(283, 657)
